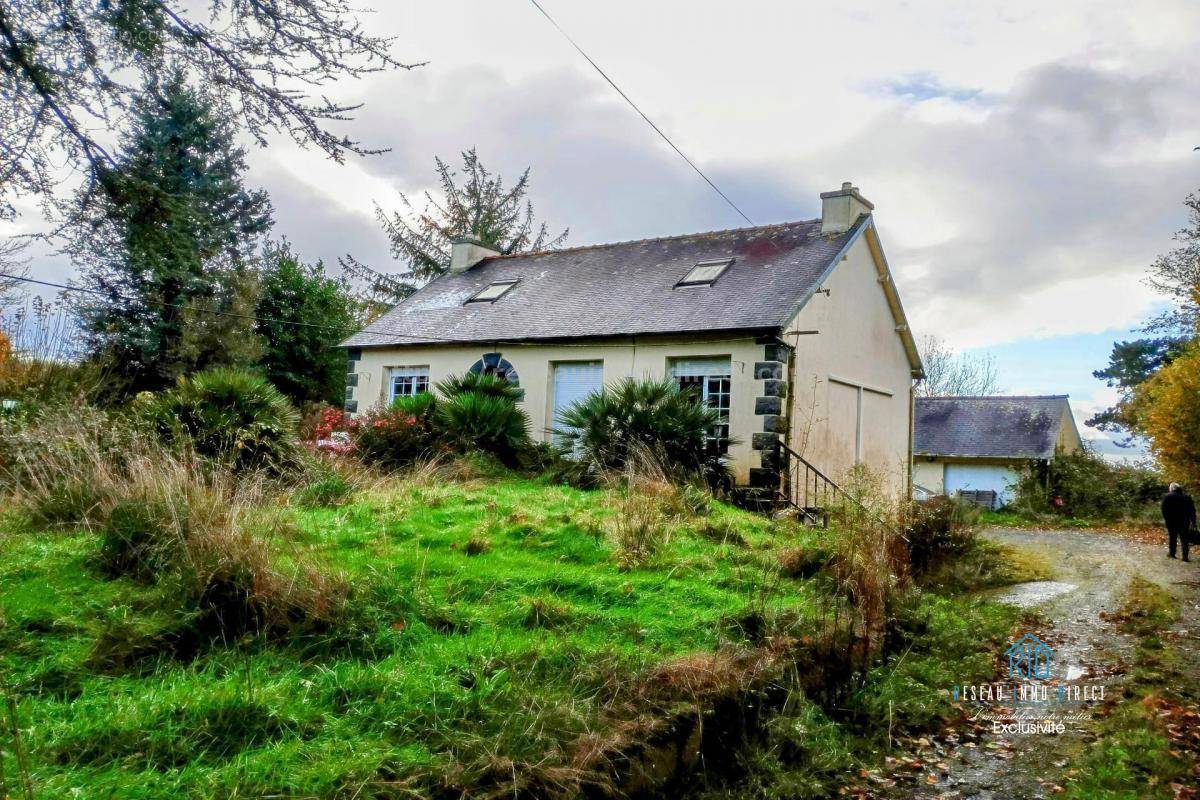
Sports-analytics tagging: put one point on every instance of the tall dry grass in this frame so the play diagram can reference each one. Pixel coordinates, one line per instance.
(166, 516)
(43, 358)
(648, 504)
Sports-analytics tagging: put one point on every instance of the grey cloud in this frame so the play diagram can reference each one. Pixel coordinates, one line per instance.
(1053, 185)
(1055, 182)
(317, 228)
(596, 167)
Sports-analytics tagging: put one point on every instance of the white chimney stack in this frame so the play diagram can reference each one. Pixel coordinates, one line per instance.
(842, 208)
(467, 251)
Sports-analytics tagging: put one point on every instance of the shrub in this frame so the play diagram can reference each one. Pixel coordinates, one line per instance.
(1084, 485)
(802, 562)
(394, 437)
(61, 464)
(937, 528)
(611, 426)
(231, 416)
(479, 383)
(421, 405)
(177, 523)
(646, 511)
(329, 488)
(484, 420)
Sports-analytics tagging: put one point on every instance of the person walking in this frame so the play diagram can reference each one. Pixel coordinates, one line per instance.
(1179, 515)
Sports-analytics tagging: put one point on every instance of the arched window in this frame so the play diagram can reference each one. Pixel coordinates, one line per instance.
(494, 364)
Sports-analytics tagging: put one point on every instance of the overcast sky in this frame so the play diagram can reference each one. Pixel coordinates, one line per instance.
(1027, 160)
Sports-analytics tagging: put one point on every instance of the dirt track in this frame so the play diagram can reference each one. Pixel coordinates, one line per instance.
(1092, 570)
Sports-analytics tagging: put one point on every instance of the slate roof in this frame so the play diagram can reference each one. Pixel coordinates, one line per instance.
(621, 289)
(988, 427)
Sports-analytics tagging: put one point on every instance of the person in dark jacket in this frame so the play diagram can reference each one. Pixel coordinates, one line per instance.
(1179, 514)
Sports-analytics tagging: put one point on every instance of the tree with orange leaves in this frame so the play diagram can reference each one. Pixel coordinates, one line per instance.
(1167, 407)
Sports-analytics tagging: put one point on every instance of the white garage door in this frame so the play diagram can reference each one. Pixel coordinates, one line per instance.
(573, 381)
(981, 477)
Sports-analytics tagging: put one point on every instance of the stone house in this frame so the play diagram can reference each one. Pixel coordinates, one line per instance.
(795, 332)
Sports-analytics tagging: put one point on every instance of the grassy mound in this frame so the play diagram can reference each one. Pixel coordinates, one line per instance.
(492, 622)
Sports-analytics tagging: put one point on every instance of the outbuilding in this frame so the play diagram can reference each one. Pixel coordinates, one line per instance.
(978, 447)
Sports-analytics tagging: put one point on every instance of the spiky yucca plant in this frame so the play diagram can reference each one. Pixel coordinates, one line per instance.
(634, 417)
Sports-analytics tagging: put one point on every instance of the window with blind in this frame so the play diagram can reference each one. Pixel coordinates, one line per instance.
(407, 381)
(712, 380)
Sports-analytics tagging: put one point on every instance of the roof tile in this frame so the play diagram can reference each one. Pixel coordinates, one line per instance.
(620, 289)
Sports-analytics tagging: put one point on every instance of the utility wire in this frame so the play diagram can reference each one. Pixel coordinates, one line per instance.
(235, 315)
(388, 335)
(641, 113)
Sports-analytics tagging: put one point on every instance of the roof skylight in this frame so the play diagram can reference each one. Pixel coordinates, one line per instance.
(492, 292)
(705, 273)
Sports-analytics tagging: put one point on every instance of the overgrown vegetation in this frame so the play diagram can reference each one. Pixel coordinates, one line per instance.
(181, 623)
(1146, 737)
(234, 417)
(1084, 486)
(636, 419)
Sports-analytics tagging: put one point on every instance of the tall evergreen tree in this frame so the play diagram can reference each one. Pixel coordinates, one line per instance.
(303, 314)
(476, 203)
(168, 252)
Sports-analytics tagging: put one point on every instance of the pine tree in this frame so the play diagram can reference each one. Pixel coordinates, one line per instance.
(168, 251)
(475, 203)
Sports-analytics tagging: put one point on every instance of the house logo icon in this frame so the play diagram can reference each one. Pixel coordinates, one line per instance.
(1029, 658)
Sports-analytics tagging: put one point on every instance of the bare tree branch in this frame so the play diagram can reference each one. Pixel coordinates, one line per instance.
(70, 69)
(948, 372)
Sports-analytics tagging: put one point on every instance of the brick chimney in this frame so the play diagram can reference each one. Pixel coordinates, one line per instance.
(841, 209)
(467, 251)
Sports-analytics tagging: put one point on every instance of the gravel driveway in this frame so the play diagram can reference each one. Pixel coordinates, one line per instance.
(1092, 570)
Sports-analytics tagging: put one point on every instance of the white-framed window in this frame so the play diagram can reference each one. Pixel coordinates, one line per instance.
(573, 381)
(705, 273)
(407, 381)
(712, 379)
(493, 291)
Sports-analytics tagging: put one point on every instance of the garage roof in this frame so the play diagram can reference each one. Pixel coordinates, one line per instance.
(989, 427)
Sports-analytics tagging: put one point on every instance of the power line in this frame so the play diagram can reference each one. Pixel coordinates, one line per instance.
(384, 333)
(250, 317)
(641, 113)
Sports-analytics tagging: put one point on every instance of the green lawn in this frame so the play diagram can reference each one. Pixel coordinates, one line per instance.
(490, 626)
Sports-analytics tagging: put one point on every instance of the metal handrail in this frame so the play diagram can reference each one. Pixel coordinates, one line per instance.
(810, 496)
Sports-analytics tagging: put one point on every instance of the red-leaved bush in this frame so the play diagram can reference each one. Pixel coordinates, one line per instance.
(395, 437)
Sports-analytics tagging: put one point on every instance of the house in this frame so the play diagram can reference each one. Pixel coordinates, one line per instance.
(979, 446)
(795, 332)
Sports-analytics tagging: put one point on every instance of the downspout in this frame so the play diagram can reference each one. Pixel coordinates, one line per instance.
(912, 424)
(785, 478)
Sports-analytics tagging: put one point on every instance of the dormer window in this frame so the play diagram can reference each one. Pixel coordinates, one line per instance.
(705, 273)
(492, 292)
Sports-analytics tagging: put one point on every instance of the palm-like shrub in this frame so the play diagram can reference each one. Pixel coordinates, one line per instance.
(475, 420)
(228, 415)
(420, 405)
(478, 383)
(634, 418)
